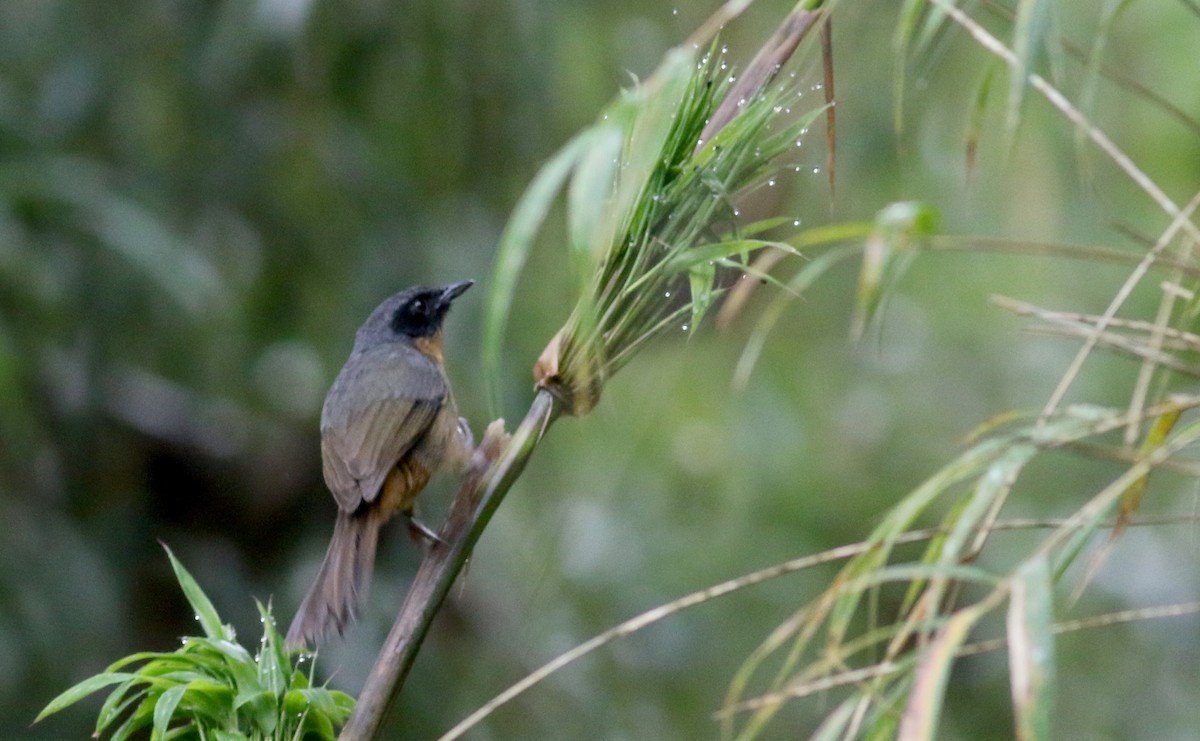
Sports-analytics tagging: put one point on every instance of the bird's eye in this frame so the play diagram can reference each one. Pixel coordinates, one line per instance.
(417, 306)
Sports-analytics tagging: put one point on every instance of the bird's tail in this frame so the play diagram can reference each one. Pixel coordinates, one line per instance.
(341, 585)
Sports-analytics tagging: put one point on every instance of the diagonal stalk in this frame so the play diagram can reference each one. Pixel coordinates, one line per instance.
(495, 469)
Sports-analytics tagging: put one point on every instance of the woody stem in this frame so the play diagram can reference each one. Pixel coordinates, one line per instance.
(496, 466)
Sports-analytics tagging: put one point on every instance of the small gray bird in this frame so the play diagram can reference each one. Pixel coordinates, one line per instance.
(388, 424)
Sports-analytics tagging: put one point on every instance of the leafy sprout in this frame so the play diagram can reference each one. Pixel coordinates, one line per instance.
(652, 221)
(211, 687)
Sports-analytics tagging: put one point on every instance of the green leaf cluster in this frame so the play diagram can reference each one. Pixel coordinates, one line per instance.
(651, 213)
(212, 687)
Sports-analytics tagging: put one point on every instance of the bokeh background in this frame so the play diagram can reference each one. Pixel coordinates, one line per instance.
(201, 200)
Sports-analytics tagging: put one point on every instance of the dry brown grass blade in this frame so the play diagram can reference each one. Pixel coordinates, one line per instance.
(1180, 218)
(762, 69)
(1171, 292)
(1061, 323)
(977, 648)
(831, 107)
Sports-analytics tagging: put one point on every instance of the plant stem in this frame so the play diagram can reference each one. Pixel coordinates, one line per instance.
(497, 465)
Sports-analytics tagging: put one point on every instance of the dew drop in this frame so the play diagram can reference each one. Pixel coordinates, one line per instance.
(778, 109)
(674, 11)
(771, 183)
(684, 328)
(666, 294)
(796, 222)
(816, 171)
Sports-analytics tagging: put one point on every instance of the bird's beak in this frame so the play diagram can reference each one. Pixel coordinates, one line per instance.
(454, 290)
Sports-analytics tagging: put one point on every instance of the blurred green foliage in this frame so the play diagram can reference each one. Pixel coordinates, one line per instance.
(199, 201)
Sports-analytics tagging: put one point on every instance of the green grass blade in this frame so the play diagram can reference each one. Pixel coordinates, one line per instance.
(902, 47)
(899, 229)
(592, 186)
(974, 128)
(1029, 26)
(1031, 649)
(164, 709)
(202, 607)
(924, 708)
(82, 690)
(803, 278)
(516, 241)
(835, 724)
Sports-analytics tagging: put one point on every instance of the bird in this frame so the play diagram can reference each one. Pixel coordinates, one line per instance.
(389, 422)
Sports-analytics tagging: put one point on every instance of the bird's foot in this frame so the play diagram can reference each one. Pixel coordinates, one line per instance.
(420, 532)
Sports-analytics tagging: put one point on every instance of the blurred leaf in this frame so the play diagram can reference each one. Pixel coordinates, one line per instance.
(1028, 28)
(1031, 649)
(976, 117)
(924, 708)
(835, 724)
(899, 229)
(591, 187)
(1156, 437)
(515, 244)
(801, 281)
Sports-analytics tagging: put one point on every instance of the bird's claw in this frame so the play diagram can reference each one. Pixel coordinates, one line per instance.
(421, 532)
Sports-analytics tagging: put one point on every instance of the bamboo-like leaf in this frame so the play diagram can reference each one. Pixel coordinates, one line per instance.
(835, 724)
(82, 690)
(261, 708)
(591, 191)
(976, 116)
(1156, 437)
(804, 277)
(991, 486)
(273, 662)
(516, 241)
(701, 278)
(141, 717)
(906, 24)
(1028, 28)
(164, 709)
(658, 106)
(1093, 65)
(969, 464)
(934, 21)
(924, 708)
(205, 613)
(899, 229)
(1031, 649)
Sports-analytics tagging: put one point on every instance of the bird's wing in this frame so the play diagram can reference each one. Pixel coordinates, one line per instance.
(381, 404)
